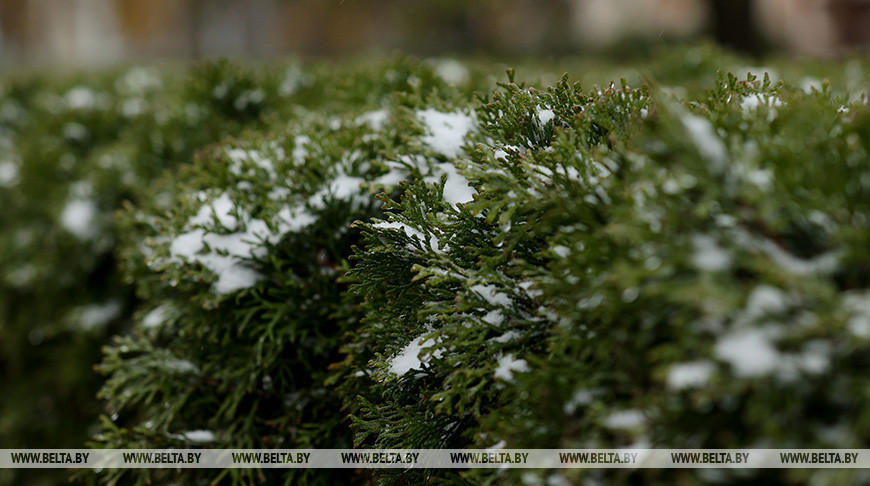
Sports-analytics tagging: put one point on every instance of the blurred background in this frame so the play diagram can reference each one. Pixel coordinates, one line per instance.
(60, 33)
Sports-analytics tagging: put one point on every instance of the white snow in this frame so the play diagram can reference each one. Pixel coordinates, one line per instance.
(156, 317)
(707, 141)
(580, 397)
(198, 436)
(8, 173)
(248, 98)
(491, 294)
(133, 107)
(752, 102)
(625, 419)
(494, 317)
(97, 316)
(821, 264)
(81, 98)
(453, 72)
(290, 221)
(749, 352)
(457, 190)
(546, 115)
(809, 84)
(498, 445)
(231, 273)
(300, 151)
(409, 358)
(434, 242)
(507, 365)
(180, 366)
(75, 131)
(239, 158)
(765, 300)
(376, 120)
(708, 255)
(221, 208)
(343, 187)
(858, 305)
(78, 217)
(139, 80)
(445, 132)
(411, 232)
(226, 250)
(506, 337)
(690, 375)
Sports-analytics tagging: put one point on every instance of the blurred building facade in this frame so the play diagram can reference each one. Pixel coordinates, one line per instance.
(88, 32)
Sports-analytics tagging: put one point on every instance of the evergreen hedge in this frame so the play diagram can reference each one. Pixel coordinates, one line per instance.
(390, 261)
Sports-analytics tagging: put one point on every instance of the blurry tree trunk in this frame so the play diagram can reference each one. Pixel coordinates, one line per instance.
(851, 21)
(733, 25)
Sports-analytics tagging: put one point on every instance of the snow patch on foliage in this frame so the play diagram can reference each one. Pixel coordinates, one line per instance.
(507, 365)
(343, 187)
(79, 217)
(409, 358)
(690, 375)
(457, 190)
(196, 436)
(445, 132)
(749, 352)
(242, 160)
(753, 102)
(222, 209)
(433, 240)
(84, 98)
(506, 337)
(708, 256)
(545, 115)
(156, 317)
(491, 295)
(625, 420)
(223, 253)
(97, 316)
(300, 149)
(376, 120)
(821, 264)
(8, 173)
(707, 141)
(451, 71)
(581, 398)
(765, 300)
(494, 318)
(858, 305)
(177, 365)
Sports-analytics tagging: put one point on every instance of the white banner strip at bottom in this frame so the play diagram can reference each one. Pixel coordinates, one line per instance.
(433, 458)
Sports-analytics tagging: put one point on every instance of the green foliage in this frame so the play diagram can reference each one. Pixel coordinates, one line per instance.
(369, 256)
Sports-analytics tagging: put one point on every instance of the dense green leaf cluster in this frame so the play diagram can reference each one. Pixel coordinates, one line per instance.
(376, 257)
(73, 149)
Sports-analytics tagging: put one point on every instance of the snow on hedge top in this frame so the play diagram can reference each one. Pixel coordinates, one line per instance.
(224, 253)
(445, 132)
(707, 141)
(78, 218)
(409, 358)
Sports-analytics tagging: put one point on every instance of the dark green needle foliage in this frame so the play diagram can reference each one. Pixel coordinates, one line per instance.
(324, 256)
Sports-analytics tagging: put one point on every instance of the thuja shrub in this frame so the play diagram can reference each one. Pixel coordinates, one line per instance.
(391, 261)
(74, 148)
(239, 260)
(632, 270)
